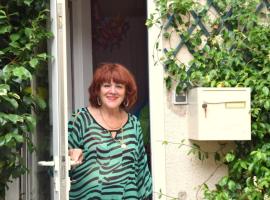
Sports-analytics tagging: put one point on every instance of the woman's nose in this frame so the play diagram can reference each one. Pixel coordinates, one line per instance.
(113, 89)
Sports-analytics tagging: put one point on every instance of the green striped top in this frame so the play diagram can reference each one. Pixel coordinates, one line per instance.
(113, 168)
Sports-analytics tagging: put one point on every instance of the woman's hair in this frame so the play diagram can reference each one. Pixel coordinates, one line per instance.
(107, 72)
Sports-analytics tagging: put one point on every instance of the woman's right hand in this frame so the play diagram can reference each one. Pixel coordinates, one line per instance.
(76, 155)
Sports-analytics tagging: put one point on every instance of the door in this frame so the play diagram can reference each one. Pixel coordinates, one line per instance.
(58, 67)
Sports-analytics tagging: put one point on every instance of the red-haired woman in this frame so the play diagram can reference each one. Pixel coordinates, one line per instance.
(106, 141)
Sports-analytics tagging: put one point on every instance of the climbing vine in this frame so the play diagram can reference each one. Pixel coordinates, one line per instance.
(230, 47)
(22, 33)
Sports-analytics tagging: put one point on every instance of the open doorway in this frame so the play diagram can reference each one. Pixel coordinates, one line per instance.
(110, 31)
(115, 33)
(119, 35)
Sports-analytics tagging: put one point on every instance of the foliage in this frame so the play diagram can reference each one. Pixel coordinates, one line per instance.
(144, 121)
(22, 31)
(236, 53)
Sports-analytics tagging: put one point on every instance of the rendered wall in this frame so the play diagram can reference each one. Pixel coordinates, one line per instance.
(185, 173)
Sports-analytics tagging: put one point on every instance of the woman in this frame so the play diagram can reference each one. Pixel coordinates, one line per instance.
(106, 141)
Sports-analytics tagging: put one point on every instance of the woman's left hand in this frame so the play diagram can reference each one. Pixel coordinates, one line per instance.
(76, 155)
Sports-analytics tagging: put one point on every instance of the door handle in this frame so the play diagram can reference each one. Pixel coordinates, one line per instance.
(46, 163)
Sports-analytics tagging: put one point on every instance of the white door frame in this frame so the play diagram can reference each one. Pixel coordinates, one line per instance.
(58, 48)
(156, 102)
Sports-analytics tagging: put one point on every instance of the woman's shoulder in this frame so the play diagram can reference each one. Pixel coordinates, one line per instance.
(78, 113)
(133, 118)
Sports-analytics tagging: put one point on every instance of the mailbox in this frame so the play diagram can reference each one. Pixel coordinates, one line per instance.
(219, 114)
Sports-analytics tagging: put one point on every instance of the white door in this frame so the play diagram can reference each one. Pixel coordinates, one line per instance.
(58, 48)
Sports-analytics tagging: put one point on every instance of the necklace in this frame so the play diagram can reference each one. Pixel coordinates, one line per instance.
(121, 141)
(122, 144)
(112, 128)
(118, 129)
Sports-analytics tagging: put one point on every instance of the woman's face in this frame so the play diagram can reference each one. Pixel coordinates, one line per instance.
(112, 94)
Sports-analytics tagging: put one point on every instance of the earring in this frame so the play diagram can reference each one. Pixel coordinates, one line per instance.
(126, 103)
(98, 101)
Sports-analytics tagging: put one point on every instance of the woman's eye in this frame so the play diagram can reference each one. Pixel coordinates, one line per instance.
(120, 86)
(106, 85)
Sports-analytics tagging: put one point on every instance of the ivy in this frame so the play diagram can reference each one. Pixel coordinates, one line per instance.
(234, 51)
(22, 34)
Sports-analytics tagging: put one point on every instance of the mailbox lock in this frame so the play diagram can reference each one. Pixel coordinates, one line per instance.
(204, 106)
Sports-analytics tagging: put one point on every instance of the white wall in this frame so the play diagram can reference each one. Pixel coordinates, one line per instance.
(82, 48)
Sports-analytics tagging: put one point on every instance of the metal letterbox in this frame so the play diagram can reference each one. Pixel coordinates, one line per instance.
(219, 114)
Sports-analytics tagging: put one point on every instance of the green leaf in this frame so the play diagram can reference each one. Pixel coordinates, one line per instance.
(267, 104)
(2, 141)
(19, 138)
(164, 142)
(3, 14)
(40, 102)
(12, 118)
(149, 23)
(22, 73)
(168, 82)
(15, 95)
(28, 32)
(3, 92)
(14, 44)
(43, 56)
(14, 37)
(33, 62)
(243, 164)
(229, 157)
(9, 138)
(5, 29)
(29, 46)
(223, 181)
(231, 185)
(11, 101)
(28, 90)
(5, 86)
(265, 91)
(31, 122)
(27, 2)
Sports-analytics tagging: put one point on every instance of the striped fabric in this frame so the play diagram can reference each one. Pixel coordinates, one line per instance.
(109, 170)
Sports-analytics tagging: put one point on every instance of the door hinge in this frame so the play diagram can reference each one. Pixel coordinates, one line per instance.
(59, 16)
